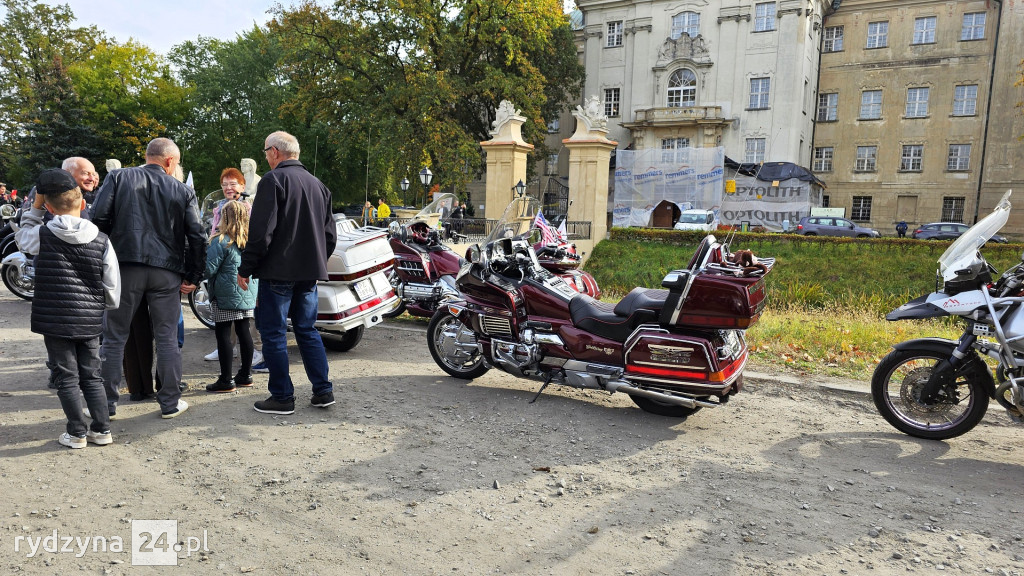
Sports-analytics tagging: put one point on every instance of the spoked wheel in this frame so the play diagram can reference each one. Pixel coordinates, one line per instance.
(453, 346)
(19, 281)
(896, 389)
(395, 281)
(343, 341)
(199, 302)
(663, 409)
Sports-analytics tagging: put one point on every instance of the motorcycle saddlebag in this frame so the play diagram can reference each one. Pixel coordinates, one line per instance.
(702, 363)
(713, 300)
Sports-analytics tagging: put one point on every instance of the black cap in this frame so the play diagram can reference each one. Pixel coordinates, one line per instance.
(55, 181)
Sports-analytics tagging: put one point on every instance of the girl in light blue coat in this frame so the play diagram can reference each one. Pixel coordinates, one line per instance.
(232, 305)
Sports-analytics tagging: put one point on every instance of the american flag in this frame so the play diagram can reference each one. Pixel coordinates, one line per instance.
(547, 234)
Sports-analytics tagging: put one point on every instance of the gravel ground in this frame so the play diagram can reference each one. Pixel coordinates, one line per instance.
(413, 472)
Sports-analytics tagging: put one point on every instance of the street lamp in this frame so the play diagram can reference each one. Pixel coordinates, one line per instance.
(520, 188)
(425, 177)
(405, 188)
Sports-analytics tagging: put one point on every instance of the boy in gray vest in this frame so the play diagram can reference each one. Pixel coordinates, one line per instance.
(77, 279)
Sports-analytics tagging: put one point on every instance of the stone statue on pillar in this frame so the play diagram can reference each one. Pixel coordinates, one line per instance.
(591, 120)
(506, 158)
(248, 167)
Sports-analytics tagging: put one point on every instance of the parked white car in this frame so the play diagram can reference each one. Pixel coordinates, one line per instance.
(694, 219)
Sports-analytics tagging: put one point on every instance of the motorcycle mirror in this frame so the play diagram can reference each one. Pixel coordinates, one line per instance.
(473, 254)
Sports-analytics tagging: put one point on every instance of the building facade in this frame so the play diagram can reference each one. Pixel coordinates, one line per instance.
(700, 73)
(916, 113)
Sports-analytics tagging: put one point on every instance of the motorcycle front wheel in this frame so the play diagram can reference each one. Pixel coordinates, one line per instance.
(21, 285)
(453, 346)
(896, 389)
(199, 302)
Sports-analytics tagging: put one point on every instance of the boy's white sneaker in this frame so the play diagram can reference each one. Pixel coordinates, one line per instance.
(178, 410)
(214, 356)
(257, 357)
(71, 441)
(99, 438)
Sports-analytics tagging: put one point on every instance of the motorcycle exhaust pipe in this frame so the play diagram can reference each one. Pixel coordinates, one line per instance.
(627, 388)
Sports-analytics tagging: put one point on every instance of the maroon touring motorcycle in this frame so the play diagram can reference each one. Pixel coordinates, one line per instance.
(673, 350)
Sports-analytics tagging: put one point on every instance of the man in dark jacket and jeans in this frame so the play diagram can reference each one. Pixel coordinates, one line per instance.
(291, 235)
(153, 223)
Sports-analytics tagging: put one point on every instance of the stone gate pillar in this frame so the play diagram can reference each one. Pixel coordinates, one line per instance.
(589, 159)
(506, 159)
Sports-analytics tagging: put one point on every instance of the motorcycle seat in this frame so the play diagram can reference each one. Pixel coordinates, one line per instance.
(642, 299)
(602, 319)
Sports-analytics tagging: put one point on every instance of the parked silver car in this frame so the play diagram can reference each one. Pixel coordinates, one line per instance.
(833, 226)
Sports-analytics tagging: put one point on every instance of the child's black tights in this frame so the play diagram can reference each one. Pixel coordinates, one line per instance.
(224, 351)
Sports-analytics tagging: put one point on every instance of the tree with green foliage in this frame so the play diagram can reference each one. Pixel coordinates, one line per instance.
(129, 96)
(420, 81)
(38, 42)
(55, 131)
(236, 97)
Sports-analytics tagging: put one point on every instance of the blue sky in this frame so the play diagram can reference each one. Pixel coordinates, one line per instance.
(161, 26)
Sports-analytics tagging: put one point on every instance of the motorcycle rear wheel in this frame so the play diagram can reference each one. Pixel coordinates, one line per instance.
(395, 282)
(662, 409)
(445, 338)
(896, 390)
(342, 341)
(19, 284)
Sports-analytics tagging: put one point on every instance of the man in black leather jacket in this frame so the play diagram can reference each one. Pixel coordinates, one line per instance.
(153, 223)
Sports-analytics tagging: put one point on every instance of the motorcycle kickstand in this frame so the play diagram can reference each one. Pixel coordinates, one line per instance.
(547, 380)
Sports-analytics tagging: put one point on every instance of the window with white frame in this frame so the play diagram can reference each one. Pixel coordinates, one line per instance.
(878, 35)
(917, 102)
(760, 92)
(974, 26)
(924, 30)
(823, 159)
(611, 101)
(682, 88)
(674, 149)
(686, 23)
(911, 158)
(953, 209)
(614, 36)
(754, 150)
(833, 40)
(965, 100)
(871, 105)
(867, 159)
(861, 209)
(551, 167)
(828, 106)
(764, 16)
(959, 159)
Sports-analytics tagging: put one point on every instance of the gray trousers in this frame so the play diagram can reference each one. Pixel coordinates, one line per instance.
(76, 371)
(160, 289)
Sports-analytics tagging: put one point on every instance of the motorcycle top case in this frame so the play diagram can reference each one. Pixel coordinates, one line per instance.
(715, 299)
(360, 251)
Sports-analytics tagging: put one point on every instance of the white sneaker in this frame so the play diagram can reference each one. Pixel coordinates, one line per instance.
(257, 357)
(214, 356)
(71, 441)
(99, 439)
(182, 406)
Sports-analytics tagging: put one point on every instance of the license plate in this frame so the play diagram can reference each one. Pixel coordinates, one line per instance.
(364, 289)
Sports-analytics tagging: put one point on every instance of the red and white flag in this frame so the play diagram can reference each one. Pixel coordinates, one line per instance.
(547, 234)
(563, 234)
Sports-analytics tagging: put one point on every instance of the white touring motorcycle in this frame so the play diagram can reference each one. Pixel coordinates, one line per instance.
(936, 388)
(357, 293)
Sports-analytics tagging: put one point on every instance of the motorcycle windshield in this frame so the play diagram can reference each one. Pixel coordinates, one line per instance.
(437, 211)
(969, 242)
(518, 221)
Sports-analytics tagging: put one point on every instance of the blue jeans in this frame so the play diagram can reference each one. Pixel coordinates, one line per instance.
(277, 301)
